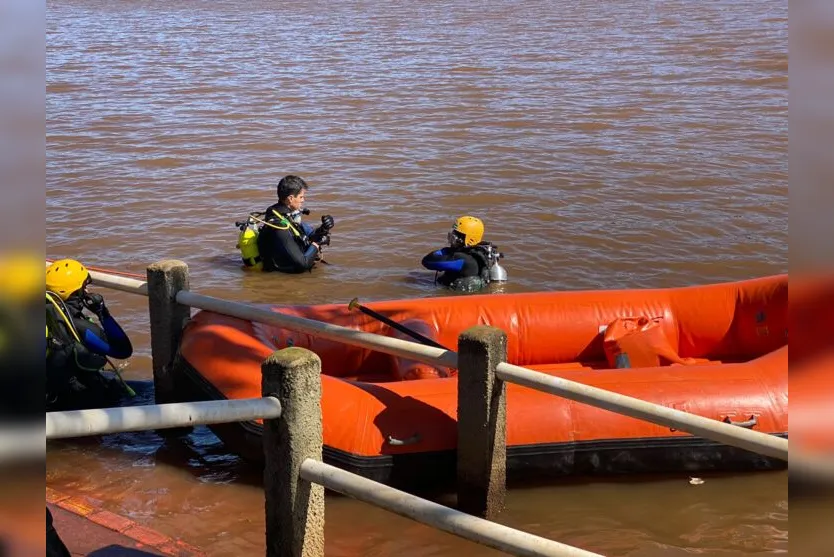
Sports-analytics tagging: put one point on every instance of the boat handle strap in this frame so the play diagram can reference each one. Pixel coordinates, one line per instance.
(746, 424)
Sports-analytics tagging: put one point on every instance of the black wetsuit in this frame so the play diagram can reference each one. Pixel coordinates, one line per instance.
(462, 268)
(73, 367)
(284, 245)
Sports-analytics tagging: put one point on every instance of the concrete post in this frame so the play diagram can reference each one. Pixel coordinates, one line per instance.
(482, 434)
(294, 506)
(165, 279)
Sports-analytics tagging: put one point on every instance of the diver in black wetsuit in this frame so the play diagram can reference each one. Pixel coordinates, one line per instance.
(285, 243)
(468, 264)
(77, 348)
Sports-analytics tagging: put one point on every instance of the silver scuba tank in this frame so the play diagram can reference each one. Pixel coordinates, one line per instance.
(497, 273)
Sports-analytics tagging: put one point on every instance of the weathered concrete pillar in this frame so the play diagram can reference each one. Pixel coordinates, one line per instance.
(294, 507)
(482, 420)
(165, 279)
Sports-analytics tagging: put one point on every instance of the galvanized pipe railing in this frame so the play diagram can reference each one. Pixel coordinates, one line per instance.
(116, 282)
(337, 333)
(296, 375)
(479, 530)
(293, 443)
(124, 284)
(721, 432)
(728, 434)
(295, 476)
(102, 421)
(707, 428)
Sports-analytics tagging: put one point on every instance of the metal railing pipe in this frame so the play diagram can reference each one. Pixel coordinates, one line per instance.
(101, 421)
(388, 345)
(116, 282)
(755, 441)
(714, 430)
(433, 514)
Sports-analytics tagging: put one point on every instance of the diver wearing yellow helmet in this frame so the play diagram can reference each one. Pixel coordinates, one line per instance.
(468, 263)
(78, 347)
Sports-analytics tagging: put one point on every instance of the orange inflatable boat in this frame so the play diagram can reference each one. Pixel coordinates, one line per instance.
(720, 351)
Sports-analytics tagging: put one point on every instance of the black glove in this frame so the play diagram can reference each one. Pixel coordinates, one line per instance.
(327, 223)
(94, 302)
(324, 241)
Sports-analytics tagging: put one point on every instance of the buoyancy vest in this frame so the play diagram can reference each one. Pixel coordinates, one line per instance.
(484, 264)
(67, 359)
(284, 223)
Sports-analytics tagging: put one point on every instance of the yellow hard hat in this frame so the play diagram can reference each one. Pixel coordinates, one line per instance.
(66, 276)
(471, 228)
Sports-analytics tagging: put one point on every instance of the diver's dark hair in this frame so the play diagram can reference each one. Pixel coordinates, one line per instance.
(290, 185)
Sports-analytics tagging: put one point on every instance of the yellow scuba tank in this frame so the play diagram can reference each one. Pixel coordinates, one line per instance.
(247, 243)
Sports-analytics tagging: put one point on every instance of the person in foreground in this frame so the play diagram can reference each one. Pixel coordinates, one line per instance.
(55, 546)
(284, 242)
(468, 264)
(76, 346)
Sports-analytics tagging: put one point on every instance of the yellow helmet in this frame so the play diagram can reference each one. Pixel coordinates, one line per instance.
(66, 276)
(471, 228)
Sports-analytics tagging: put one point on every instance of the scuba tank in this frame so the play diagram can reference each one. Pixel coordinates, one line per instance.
(247, 243)
(247, 239)
(497, 273)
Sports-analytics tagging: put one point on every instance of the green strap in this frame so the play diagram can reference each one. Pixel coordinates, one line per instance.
(285, 221)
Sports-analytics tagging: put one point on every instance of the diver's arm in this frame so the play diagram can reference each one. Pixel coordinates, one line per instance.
(300, 260)
(444, 260)
(109, 341)
(307, 229)
(120, 345)
(310, 256)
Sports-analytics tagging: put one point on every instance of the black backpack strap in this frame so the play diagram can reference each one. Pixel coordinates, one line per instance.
(480, 255)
